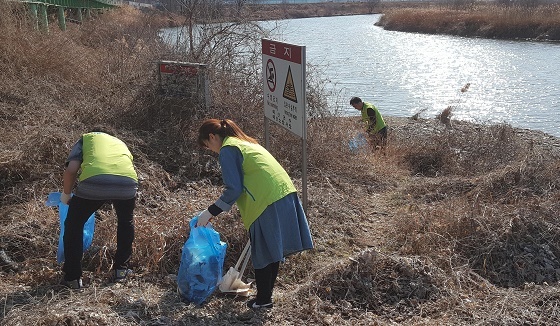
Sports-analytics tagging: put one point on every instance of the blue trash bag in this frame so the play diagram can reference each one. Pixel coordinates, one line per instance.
(89, 227)
(202, 263)
(356, 143)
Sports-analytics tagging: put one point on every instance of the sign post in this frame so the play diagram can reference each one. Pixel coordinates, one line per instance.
(284, 94)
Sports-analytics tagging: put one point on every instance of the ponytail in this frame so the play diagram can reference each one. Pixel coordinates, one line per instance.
(223, 128)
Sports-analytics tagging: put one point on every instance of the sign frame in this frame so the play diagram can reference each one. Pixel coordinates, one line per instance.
(286, 103)
(284, 85)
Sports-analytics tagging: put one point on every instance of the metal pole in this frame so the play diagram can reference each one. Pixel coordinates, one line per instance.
(44, 18)
(266, 133)
(79, 15)
(304, 174)
(34, 17)
(304, 138)
(207, 98)
(61, 19)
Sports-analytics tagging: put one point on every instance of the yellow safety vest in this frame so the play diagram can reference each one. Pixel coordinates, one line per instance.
(379, 122)
(264, 180)
(105, 154)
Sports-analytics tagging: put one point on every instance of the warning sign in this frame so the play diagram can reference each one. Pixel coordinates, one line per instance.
(284, 105)
(289, 89)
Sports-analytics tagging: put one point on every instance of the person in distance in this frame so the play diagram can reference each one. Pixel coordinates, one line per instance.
(375, 125)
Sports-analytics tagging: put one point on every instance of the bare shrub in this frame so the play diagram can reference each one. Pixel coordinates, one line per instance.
(49, 100)
(464, 151)
(486, 20)
(429, 161)
(445, 116)
(490, 223)
(380, 284)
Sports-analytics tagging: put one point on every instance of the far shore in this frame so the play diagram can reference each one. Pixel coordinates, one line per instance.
(538, 22)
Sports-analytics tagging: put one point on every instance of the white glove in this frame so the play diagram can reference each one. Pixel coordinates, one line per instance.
(204, 218)
(65, 198)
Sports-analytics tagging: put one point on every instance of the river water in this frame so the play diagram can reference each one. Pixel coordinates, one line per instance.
(513, 82)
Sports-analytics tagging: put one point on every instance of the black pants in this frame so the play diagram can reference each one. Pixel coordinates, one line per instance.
(379, 138)
(79, 211)
(265, 279)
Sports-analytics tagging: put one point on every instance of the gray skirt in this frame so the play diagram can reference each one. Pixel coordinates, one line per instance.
(281, 230)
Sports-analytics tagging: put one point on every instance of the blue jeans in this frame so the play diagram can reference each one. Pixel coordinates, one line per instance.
(79, 210)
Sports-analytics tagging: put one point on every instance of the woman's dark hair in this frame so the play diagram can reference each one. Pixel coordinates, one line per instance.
(222, 128)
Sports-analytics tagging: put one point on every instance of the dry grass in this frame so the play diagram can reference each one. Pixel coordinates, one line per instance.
(491, 21)
(447, 226)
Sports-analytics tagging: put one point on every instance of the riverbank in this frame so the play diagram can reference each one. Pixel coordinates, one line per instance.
(447, 216)
(488, 21)
(539, 22)
(452, 224)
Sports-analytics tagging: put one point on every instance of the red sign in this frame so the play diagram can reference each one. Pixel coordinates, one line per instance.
(167, 68)
(284, 51)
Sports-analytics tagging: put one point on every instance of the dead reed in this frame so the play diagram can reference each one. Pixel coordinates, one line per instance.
(485, 20)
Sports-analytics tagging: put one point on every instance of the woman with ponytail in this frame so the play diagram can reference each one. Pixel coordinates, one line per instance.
(267, 200)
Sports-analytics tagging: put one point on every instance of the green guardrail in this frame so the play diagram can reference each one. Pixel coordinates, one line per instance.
(92, 4)
(38, 10)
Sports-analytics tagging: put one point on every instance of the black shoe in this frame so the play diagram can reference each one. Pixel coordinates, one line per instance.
(121, 274)
(74, 284)
(253, 305)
